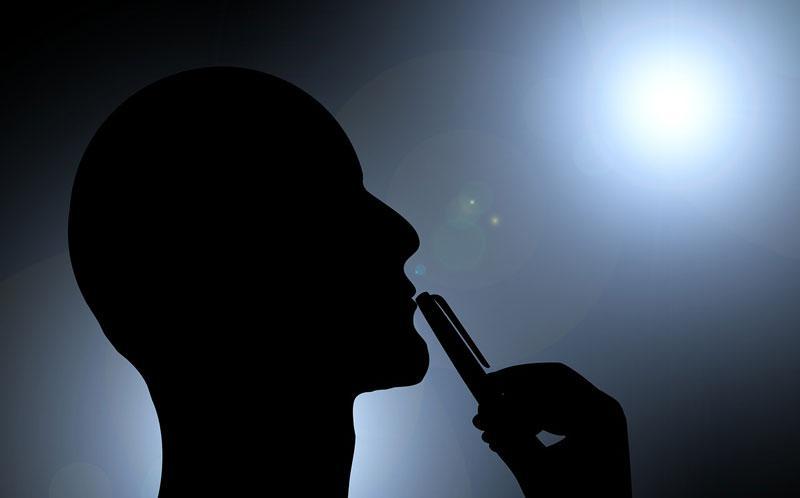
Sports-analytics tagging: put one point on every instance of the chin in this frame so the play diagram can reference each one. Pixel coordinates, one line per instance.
(406, 366)
(414, 369)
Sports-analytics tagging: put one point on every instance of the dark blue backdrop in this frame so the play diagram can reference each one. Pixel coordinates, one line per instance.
(489, 126)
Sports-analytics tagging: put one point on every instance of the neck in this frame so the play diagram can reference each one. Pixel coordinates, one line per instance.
(303, 444)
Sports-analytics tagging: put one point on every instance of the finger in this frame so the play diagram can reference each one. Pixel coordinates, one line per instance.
(504, 416)
(488, 420)
(555, 395)
(541, 378)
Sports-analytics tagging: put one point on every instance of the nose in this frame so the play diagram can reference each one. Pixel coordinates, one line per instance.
(399, 232)
(411, 235)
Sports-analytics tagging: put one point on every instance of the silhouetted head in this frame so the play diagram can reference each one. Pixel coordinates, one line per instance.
(221, 234)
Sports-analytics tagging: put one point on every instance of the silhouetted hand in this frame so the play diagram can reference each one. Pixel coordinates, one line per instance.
(591, 460)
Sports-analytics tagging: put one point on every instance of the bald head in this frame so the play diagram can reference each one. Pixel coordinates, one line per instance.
(216, 198)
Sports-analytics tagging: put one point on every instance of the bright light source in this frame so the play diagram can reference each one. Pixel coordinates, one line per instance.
(670, 106)
(671, 103)
(667, 98)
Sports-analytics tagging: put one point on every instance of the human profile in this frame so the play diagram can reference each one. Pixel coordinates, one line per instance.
(221, 234)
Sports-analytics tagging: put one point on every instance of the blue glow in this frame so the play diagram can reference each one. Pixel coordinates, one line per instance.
(642, 162)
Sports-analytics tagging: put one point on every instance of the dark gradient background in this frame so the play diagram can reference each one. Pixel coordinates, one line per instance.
(675, 293)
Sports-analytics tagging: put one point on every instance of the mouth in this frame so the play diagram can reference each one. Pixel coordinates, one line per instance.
(411, 296)
(412, 290)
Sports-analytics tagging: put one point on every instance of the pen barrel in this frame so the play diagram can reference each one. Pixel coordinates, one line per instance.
(453, 344)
